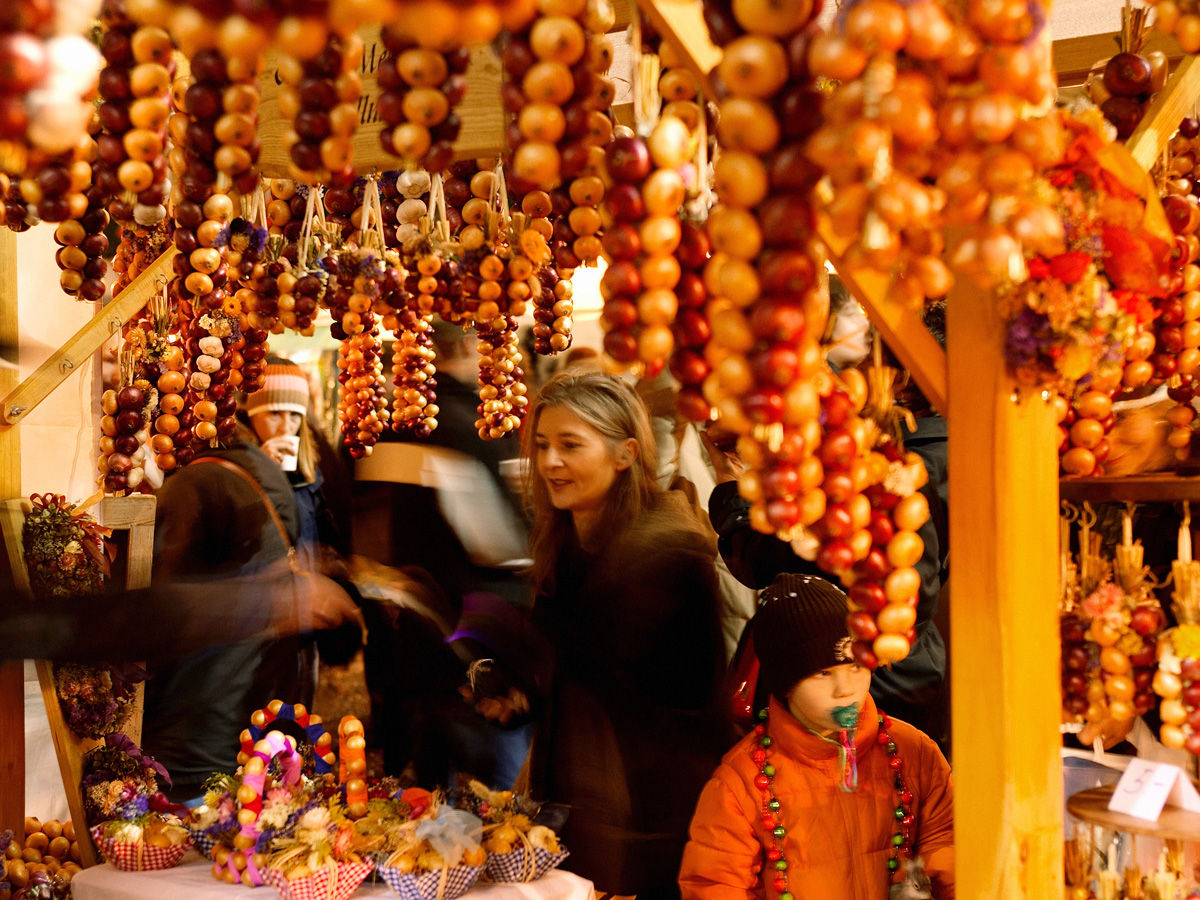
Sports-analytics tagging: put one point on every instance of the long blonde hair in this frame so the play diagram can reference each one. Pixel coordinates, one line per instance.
(617, 413)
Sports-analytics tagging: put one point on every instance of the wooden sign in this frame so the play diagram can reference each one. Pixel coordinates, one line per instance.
(482, 115)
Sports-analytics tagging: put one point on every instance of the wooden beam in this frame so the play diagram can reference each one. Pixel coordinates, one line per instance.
(1004, 616)
(1161, 120)
(1074, 57)
(34, 389)
(70, 751)
(134, 514)
(12, 672)
(12, 521)
(682, 23)
(901, 328)
(12, 745)
(624, 12)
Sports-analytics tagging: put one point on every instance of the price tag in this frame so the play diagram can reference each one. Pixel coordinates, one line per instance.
(1147, 787)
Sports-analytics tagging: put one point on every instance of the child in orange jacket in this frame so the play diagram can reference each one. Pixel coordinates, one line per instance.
(827, 797)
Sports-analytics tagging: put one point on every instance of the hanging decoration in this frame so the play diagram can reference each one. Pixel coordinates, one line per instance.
(1177, 681)
(1081, 305)
(360, 272)
(1123, 85)
(421, 86)
(556, 87)
(1109, 622)
(139, 70)
(125, 425)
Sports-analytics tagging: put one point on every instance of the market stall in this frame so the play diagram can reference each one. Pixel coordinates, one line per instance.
(928, 162)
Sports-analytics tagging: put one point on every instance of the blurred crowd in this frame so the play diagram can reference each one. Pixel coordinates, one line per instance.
(567, 613)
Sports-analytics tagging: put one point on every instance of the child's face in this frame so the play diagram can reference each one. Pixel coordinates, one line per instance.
(825, 699)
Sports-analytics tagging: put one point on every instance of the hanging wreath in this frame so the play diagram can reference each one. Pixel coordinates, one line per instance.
(66, 550)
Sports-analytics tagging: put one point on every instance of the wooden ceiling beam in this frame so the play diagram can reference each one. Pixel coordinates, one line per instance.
(80, 346)
(682, 23)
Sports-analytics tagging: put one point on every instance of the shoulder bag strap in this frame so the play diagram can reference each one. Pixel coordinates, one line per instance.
(231, 466)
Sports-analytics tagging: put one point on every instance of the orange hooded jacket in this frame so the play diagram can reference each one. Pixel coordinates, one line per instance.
(837, 843)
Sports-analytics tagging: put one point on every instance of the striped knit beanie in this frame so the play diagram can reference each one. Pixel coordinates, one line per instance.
(285, 389)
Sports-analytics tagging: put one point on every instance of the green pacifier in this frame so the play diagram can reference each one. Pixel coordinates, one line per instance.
(845, 717)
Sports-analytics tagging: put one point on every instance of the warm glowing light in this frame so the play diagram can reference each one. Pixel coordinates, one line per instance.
(588, 302)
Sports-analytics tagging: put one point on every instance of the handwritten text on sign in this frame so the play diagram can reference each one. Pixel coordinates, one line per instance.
(1147, 787)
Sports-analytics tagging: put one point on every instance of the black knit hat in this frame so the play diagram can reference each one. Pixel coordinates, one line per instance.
(800, 628)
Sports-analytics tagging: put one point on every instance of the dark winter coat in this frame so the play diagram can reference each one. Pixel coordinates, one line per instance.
(211, 523)
(630, 736)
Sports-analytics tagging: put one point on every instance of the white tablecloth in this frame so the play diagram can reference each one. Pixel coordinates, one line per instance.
(193, 880)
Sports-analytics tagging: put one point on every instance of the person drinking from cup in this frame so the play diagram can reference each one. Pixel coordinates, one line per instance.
(278, 415)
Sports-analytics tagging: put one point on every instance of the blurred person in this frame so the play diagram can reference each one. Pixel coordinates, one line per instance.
(231, 512)
(172, 620)
(440, 509)
(579, 359)
(836, 771)
(626, 595)
(405, 524)
(1138, 439)
(279, 420)
(683, 465)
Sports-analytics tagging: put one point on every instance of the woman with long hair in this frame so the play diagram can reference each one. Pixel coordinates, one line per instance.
(626, 591)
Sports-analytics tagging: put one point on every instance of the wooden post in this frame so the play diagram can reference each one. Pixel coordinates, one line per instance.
(70, 751)
(1004, 619)
(12, 672)
(134, 514)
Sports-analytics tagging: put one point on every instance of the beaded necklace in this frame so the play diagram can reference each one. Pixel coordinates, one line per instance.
(772, 809)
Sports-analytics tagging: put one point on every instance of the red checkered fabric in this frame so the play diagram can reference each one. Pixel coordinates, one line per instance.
(136, 856)
(324, 884)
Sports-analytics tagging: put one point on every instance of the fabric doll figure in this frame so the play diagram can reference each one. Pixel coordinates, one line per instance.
(827, 796)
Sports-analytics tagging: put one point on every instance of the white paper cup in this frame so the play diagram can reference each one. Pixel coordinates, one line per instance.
(289, 451)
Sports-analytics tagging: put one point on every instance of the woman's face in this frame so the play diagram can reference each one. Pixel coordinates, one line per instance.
(825, 699)
(275, 423)
(575, 461)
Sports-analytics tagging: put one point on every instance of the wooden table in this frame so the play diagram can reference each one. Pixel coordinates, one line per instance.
(193, 880)
(1173, 824)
